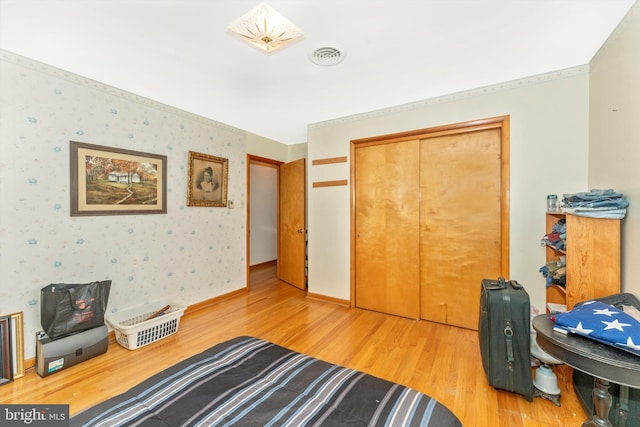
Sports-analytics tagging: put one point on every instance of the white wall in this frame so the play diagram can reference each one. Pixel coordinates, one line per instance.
(267, 148)
(297, 151)
(549, 145)
(263, 186)
(614, 134)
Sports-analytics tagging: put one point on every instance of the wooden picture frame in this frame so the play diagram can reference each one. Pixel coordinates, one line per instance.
(6, 363)
(17, 344)
(114, 181)
(208, 179)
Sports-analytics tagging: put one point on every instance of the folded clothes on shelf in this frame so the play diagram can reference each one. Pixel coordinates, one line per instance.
(558, 236)
(555, 273)
(596, 204)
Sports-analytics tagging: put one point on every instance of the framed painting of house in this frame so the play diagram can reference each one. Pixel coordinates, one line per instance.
(208, 176)
(114, 181)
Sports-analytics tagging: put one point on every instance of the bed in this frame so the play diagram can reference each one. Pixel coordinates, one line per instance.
(247, 381)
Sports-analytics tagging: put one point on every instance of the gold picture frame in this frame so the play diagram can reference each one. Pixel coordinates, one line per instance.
(114, 181)
(208, 179)
(17, 344)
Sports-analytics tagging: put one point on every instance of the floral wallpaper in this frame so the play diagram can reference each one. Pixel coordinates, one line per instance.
(186, 256)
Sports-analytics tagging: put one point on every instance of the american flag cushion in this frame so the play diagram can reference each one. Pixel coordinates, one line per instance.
(602, 322)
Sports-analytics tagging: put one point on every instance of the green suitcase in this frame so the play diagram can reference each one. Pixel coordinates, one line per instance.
(504, 330)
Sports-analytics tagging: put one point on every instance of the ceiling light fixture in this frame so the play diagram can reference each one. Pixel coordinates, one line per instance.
(265, 28)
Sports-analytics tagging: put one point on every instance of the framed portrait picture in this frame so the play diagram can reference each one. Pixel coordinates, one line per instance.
(113, 181)
(207, 184)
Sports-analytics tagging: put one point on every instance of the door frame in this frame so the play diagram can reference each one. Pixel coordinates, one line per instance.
(267, 162)
(502, 122)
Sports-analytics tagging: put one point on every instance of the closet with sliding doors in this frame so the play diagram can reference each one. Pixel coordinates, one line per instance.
(430, 219)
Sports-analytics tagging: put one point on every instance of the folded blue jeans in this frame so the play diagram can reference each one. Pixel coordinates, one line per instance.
(591, 195)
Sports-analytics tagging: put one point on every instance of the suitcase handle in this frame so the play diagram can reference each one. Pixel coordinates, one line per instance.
(494, 286)
(515, 285)
(502, 284)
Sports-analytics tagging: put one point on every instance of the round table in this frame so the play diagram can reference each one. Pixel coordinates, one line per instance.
(604, 362)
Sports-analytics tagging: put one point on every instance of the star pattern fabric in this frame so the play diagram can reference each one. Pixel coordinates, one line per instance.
(602, 322)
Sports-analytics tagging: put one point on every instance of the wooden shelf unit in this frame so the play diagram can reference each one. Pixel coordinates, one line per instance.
(592, 255)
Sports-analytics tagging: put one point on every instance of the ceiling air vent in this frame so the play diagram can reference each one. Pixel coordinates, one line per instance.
(327, 56)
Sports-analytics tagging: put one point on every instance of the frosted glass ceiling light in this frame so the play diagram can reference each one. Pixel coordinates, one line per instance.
(265, 28)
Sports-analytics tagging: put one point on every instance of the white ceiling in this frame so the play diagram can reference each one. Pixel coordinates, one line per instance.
(180, 53)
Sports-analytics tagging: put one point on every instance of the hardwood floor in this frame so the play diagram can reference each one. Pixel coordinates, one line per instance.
(441, 361)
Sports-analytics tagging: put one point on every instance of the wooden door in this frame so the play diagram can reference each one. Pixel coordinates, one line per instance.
(292, 224)
(387, 229)
(460, 218)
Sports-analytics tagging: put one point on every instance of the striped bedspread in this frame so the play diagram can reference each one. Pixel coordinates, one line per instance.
(250, 382)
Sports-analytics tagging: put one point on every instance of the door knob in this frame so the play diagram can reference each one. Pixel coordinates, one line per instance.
(300, 231)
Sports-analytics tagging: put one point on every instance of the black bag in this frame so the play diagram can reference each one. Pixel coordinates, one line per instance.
(68, 308)
(504, 331)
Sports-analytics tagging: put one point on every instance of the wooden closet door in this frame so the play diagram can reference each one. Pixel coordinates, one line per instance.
(387, 231)
(460, 219)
